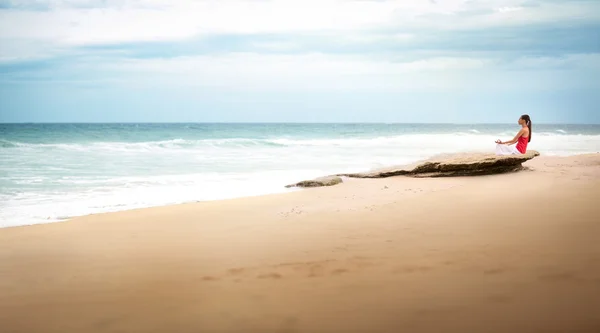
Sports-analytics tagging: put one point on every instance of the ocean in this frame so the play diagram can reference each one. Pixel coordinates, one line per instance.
(52, 172)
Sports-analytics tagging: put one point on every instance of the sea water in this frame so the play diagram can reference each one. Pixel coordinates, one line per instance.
(52, 172)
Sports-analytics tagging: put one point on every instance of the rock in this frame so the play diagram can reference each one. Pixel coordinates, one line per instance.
(324, 181)
(440, 166)
(455, 165)
(472, 165)
(380, 173)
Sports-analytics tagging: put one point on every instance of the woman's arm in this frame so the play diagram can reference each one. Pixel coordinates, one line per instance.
(514, 140)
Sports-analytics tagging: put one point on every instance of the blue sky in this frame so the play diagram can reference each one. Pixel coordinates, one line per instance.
(461, 61)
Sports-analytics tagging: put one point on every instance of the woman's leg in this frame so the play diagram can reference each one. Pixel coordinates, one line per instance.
(506, 150)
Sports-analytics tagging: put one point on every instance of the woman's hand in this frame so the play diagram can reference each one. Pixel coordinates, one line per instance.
(499, 142)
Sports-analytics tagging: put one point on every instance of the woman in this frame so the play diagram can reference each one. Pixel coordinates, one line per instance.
(521, 139)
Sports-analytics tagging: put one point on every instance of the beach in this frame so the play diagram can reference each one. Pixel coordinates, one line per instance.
(343, 166)
(516, 252)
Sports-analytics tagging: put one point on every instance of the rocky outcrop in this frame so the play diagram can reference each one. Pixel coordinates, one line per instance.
(440, 166)
(324, 181)
(454, 166)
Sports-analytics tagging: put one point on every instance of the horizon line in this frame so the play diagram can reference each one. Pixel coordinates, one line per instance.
(277, 123)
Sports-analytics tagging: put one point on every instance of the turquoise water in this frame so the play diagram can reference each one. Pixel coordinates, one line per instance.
(51, 172)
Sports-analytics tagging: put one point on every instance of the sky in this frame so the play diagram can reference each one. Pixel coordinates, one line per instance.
(434, 61)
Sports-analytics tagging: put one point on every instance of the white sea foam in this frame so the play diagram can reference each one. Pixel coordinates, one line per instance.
(113, 195)
(175, 144)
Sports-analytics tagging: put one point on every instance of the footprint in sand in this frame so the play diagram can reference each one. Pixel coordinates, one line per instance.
(339, 271)
(236, 271)
(494, 271)
(274, 276)
(411, 269)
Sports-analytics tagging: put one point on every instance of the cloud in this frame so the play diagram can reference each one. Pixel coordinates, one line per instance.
(98, 22)
(253, 71)
(311, 73)
(581, 62)
(508, 9)
(311, 45)
(48, 5)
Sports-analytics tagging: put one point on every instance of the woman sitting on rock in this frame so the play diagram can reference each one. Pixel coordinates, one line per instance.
(521, 139)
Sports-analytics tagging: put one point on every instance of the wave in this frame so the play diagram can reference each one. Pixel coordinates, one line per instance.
(115, 194)
(148, 145)
(281, 142)
(565, 134)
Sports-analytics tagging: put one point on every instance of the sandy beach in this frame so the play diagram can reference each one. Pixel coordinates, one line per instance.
(505, 253)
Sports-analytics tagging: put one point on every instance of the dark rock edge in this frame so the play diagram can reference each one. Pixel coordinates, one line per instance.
(471, 165)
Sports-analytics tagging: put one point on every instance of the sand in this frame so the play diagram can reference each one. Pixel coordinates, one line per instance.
(506, 253)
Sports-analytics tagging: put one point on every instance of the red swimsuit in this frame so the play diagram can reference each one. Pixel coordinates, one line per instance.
(522, 144)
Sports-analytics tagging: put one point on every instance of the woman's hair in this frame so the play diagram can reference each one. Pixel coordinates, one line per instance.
(528, 122)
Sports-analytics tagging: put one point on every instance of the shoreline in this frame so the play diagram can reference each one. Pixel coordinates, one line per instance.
(285, 188)
(69, 219)
(467, 254)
